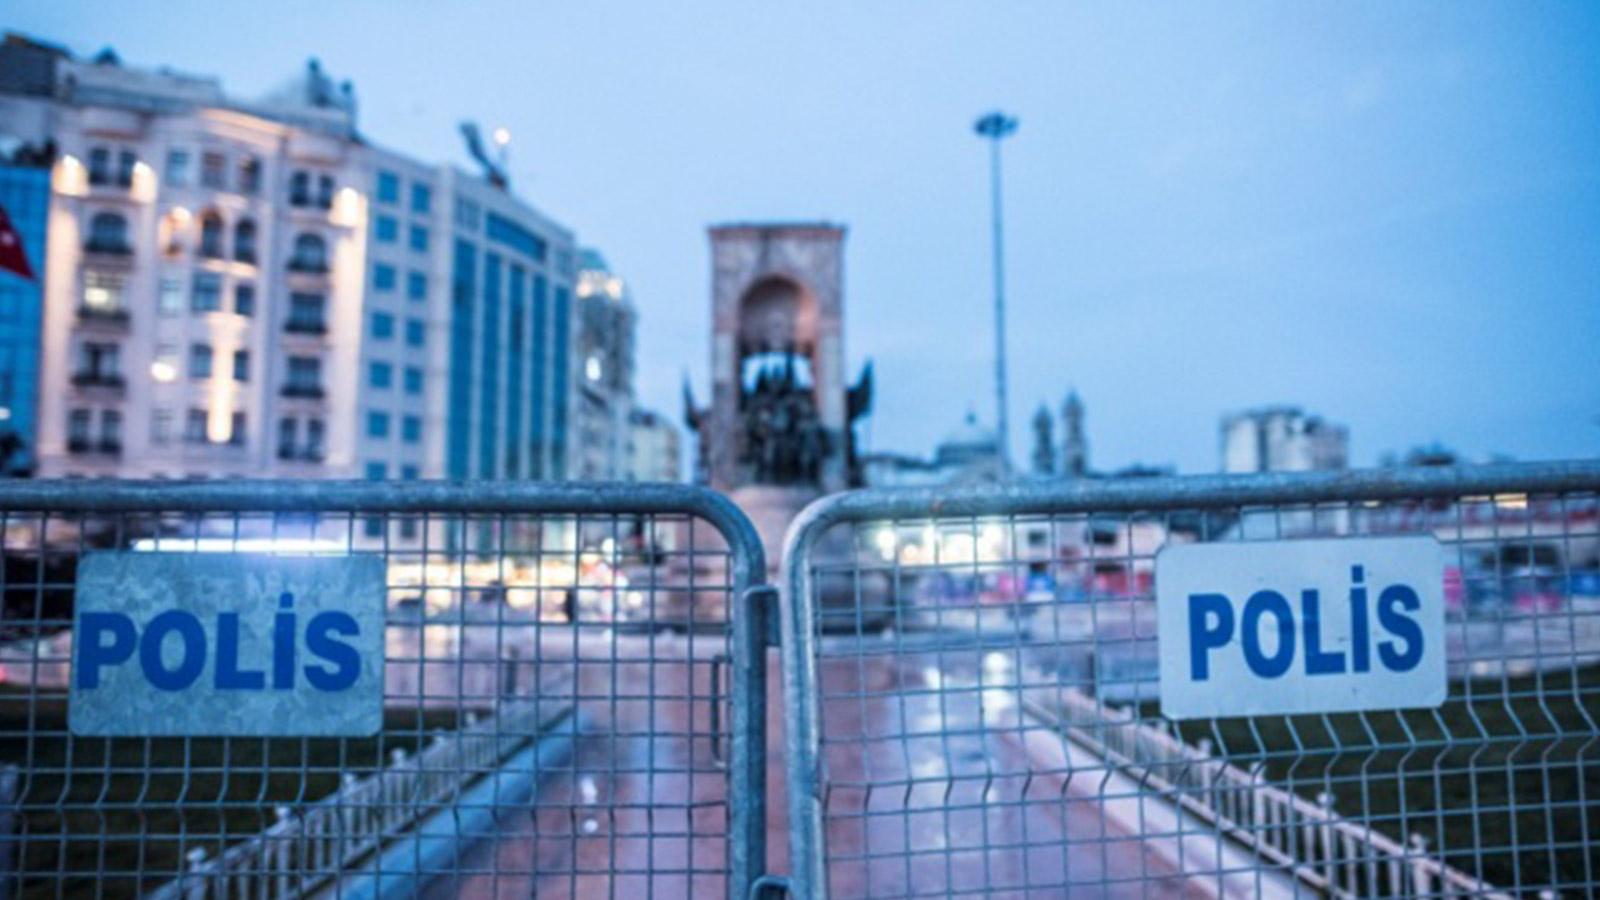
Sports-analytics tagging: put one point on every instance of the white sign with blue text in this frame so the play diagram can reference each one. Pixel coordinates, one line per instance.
(227, 645)
(1304, 626)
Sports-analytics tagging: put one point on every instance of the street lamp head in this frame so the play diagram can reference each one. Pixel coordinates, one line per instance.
(995, 125)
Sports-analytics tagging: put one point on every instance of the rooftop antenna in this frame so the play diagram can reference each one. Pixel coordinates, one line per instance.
(494, 171)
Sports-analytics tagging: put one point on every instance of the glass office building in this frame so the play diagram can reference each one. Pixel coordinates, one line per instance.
(25, 196)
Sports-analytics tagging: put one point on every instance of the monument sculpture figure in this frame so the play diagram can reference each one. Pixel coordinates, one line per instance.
(778, 431)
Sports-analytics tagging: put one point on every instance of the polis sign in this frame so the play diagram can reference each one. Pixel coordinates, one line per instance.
(1304, 626)
(227, 645)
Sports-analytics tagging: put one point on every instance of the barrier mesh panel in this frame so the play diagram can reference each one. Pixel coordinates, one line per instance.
(556, 717)
(988, 718)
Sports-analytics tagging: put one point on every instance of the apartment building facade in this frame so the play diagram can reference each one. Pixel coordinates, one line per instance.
(253, 289)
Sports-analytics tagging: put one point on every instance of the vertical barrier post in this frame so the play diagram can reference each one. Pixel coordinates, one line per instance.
(748, 755)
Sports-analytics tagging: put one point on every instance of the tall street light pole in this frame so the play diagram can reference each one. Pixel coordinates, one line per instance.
(997, 126)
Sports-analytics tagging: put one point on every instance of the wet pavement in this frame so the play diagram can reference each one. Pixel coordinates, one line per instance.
(934, 786)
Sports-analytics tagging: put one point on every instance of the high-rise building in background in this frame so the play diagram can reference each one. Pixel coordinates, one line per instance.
(1282, 439)
(605, 395)
(654, 448)
(25, 197)
(252, 288)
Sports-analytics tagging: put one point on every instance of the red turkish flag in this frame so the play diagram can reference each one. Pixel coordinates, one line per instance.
(12, 259)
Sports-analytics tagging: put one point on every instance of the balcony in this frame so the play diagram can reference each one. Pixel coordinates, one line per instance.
(304, 391)
(108, 315)
(107, 247)
(104, 447)
(306, 326)
(93, 379)
(291, 453)
(307, 266)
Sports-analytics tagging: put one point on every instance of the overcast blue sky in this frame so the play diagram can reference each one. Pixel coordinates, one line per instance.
(1386, 212)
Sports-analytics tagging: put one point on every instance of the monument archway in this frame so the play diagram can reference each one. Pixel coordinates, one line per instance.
(777, 432)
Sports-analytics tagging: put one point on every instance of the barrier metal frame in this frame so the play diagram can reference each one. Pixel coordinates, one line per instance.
(799, 607)
(747, 625)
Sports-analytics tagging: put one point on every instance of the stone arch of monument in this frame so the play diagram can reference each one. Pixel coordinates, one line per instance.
(777, 313)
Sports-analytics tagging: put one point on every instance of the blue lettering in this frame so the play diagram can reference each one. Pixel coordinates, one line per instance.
(93, 653)
(346, 661)
(1204, 637)
(1390, 603)
(283, 644)
(1259, 604)
(1318, 662)
(188, 629)
(1360, 649)
(229, 677)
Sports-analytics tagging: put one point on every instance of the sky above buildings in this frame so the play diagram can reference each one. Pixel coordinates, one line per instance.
(1386, 213)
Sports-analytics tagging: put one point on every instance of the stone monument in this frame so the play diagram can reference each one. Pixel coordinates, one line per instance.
(778, 431)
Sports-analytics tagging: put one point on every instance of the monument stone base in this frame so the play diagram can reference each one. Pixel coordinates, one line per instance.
(771, 507)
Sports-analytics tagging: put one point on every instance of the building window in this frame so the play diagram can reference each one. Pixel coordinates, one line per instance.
(421, 198)
(382, 326)
(108, 233)
(287, 429)
(200, 360)
(179, 168)
(110, 431)
(213, 170)
(164, 368)
(194, 426)
(501, 229)
(300, 188)
(98, 363)
(241, 365)
(411, 429)
(306, 314)
(377, 471)
(380, 375)
(410, 473)
(103, 293)
(325, 191)
(169, 299)
(416, 285)
(310, 254)
(161, 426)
(126, 161)
(467, 214)
(416, 331)
(419, 238)
(244, 298)
(244, 241)
(211, 234)
(388, 187)
(249, 175)
(314, 431)
(386, 229)
(78, 425)
(413, 380)
(236, 431)
(207, 294)
(305, 377)
(100, 165)
(383, 277)
(377, 424)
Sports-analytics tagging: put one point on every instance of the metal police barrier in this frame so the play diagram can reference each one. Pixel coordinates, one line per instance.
(273, 689)
(1374, 683)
